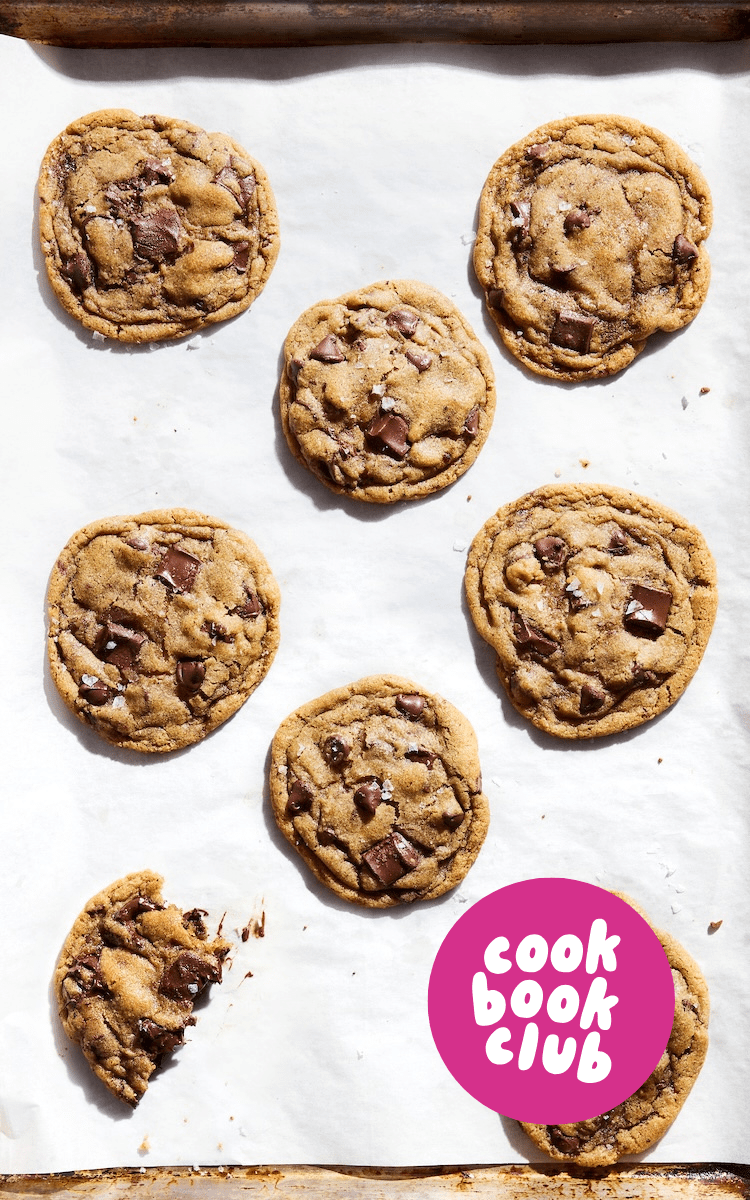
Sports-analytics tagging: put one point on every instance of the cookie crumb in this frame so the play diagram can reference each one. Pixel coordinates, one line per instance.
(660, 760)
(145, 1145)
(714, 925)
(704, 391)
(585, 462)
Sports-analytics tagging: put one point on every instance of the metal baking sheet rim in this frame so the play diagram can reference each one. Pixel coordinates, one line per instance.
(705, 1181)
(144, 23)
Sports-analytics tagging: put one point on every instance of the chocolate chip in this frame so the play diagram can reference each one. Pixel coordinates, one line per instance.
(389, 432)
(119, 645)
(133, 907)
(300, 798)
(156, 235)
(644, 678)
(95, 693)
(573, 332)
(521, 213)
(566, 1143)
(618, 543)
(552, 552)
(329, 350)
(453, 816)
(421, 361)
(683, 251)
(156, 1040)
(426, 757)
(368, 796)
(528, 637)
(241, 255)
(577, 218)
(153, 172)
(178, 569)
(405, 322)
(251, 608)
(495, 299)
(78, 271)
(190, 673)
(391, 858)
(188, 975)
(410, 704)
(471, 424)
(336, 751)
(647, 610)
(592, 699)
(538, 151)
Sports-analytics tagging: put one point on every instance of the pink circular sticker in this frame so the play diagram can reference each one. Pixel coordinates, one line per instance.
(551, 1001)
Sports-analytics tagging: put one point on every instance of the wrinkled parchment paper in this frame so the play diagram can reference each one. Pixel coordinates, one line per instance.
(317, 1048)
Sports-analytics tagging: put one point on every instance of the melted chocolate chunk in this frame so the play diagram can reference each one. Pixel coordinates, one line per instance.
(410, 704)
(241, 255)
(188, 976)
(683, 251)
(85, 972)
(248, 184)
(189, 674)
(389, 432)
(566, 1143)
(592, 699)
(178, 569)
(119, 645)
(157, 235)
(78, 271)
(154, 172)
(336, 751)
(95, 693)
(495, 299)
(521, 213)
(368, 796)
(618, 543)
(418, 359)
(391, 858)
(217, 632)
(573, 332)
(194, 920)
(644, 678)
(529, 637)
(471, 424)
(133, 907)
(251, 608)
(426, 757)
(405, 322)
(453, 817)
(552, 552)
(538, 151)
(300, 798)
(329, 350)
(577, 218)
(647, 610)
(156, 1040)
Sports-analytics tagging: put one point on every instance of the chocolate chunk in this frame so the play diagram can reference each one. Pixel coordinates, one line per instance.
(389, 432)
(217, 632)
(495, 299)
(573, 331)
(227, 178)
(592, 699)
(454, 816)
(251, 608)
(538, 151)
(95, 693)
(576, 598)
(78, 271)
(86, 974)
(153, 172)
(577, 218)
(119, 645)
(133, 907)
(419, 360)
(566, 1143)
(189, 674)
(194, 920)
(426, 757)
(405, 322)
(521, 213)
(329, 350)
(368, 796)
(552, 552)
(618, 543)
(178, 569)
(391, 858)
(156, 235)
(471, 424)
(241, 255)
(248, 184)
(644, 678)
(647, 610)
(156, 1040)
(125, 198)
(528, 637)
(300, 798)
(683, 251)
(336, 751)
(410, 704)
(188, 976)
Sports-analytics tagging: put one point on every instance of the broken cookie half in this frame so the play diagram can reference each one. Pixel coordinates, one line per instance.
(128, 976)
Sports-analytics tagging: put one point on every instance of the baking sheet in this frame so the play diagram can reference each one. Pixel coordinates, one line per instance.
(323, 1053)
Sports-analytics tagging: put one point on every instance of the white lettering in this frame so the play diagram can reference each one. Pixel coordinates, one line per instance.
(554, 1060)
(531, 954)
(567, 953)
(492, 956)
(489, 1005)
(601, 946)
(527, 998)
(495, 1048)
(528, 1046)
(595, 1005)
(594, 1065)
(563, 1004)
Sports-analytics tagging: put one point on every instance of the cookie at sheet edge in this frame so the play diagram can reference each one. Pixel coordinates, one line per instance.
(598, 603)
(160, 626)
(377, 785)
(386, 393)
(128, 975)
(152, 228)
(591, 238)
(634, 1125)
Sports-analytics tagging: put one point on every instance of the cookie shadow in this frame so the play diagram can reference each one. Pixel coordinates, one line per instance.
(79, 1072)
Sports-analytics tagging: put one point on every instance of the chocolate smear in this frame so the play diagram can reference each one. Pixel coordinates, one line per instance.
(538, 151)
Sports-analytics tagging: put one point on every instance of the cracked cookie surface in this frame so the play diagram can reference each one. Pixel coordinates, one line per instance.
(591, 238)
(598, 602)
(160, 626)
(128, 975)
(644, 1117)
(151, 227)
(377, 785)
(386, 393)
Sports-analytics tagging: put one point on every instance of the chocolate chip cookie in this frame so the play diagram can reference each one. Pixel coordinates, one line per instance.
(598, 602)
(152, 227)
(160, 626)
(643, 1118)
(377, 785)
(386, 393)
(591, 238)
(127, 978)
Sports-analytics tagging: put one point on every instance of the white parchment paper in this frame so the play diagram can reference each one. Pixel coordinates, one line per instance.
(317, 1047)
